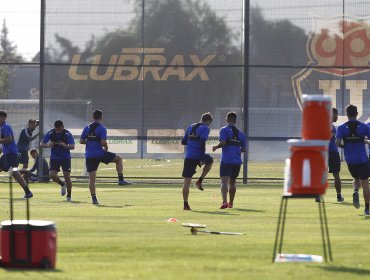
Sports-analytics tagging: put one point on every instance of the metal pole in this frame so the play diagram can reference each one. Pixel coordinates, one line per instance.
(143, 82)
(246, 87)
(41, 86)
(278, 230)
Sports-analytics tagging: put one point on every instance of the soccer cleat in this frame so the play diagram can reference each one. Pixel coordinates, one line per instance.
(63, 190)
(69, 199)
(123, 183)
(230, 205)
(366, 213)
(340, 198)
(95, 201)
(187, 207)
(224, 205)
(199, 185)
(318, 199)
(356, 200)
(28, 195)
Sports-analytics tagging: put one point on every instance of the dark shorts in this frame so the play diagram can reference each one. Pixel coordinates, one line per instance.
(55, 165)
(7, 161)
(229, 170)
(93, 163)
(334, 162)
(190, 165)
(24, 158)
(359, 170)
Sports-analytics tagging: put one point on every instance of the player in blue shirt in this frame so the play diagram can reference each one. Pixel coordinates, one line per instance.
(195, 141)
(94, 136)
(233, 143)
(61, 143)
(24, 140)
(334, 159)
(9, 159)
(353, 134)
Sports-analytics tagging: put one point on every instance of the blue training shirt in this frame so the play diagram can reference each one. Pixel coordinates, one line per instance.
(332, 146)
(354, 153)
(57, 151)
(196, 149)
(94, 149)
(231, 154)
(11, 147)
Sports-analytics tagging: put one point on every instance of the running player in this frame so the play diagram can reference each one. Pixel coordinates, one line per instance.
(61, 143)
(195, 140)
(353, 134)
(10, 153)
(334, 160)
(233, 143)
(24, 141)
(94, 136)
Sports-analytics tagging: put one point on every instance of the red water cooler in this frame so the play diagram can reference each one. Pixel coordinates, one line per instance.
(307, 171)
(27, 243)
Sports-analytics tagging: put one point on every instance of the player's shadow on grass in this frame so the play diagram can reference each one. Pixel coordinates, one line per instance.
(215, 212)
(333, 268)
(341, 203)
(24, 271)
(110, 206)
(248, 210)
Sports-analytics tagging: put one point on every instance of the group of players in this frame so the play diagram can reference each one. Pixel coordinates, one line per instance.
(352, 136)
(233, 143)
(94, 136)
(61, 142)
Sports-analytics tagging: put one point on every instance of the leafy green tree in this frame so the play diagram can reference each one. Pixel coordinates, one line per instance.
(8, 54)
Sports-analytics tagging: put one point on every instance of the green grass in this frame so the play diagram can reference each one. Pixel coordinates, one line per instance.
(127, 236)
(172, 168)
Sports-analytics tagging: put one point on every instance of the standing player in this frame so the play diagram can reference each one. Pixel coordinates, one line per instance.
(94, 136)
(334, 159)
(353, 134)
(233, 143)
(61, 143)
(24, 142)
(10, 153)
(195, 140)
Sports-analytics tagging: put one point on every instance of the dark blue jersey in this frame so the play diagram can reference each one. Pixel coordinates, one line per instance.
(45, 168)
(354, 146)
(57, 151)
(332, 146)
(235, 141)
(23, 142)
(195, 137)
(93, 134)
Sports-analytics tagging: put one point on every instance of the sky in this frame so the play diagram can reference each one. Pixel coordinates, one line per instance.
(23, 21)
(23, 17)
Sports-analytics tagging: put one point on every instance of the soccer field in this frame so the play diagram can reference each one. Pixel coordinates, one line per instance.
(128, 237)
(172, 168)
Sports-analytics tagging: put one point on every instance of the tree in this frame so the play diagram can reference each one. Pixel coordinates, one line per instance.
(8, 54)
(180, 27)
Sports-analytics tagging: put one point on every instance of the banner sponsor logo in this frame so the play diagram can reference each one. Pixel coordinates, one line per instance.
(139, 64)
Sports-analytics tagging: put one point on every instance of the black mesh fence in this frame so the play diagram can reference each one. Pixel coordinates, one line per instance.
(154, 66)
